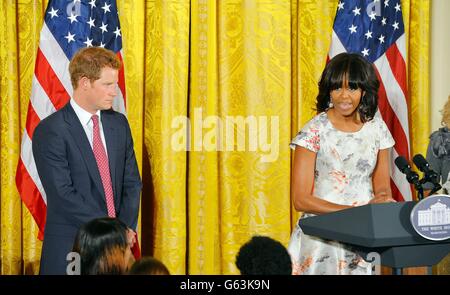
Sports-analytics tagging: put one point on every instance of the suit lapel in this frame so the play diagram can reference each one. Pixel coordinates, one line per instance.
(82, 142)
(111, 145)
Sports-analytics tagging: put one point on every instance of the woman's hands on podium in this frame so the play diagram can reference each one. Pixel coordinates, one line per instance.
(382, 197)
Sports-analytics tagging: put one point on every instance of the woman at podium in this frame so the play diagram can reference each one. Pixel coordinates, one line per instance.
(341, 160)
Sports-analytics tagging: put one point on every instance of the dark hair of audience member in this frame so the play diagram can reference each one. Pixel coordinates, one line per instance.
(263, 256)
(103, 247)
(149, 266)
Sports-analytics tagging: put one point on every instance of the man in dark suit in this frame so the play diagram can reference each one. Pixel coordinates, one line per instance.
(85, 159)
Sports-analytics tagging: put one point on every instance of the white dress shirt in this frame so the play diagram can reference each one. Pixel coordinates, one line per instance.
(86, 121)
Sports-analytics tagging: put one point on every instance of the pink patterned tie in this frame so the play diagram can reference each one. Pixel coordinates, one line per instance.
(103, 167)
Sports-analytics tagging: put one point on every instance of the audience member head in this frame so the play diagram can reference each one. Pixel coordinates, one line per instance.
(104, 247)
(446, 114)
(149, 266)
(352, 71)
(263, 256)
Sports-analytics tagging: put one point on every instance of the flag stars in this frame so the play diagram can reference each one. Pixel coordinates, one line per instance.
(91, 22)
(365, 52)
(381, 38)
(92, 3)
(395, 25)
(356, 11)
(103, 28)
(341, 5)
(372, 15)
(69, 37)
(106, 8)
(53, 12)
(102, 45)
(368, 34)
(117, 32)
(386, 3)
(75, 1)
(383, 21)
(73, 17)
(397, 7)
(88, 42)
(353, 29)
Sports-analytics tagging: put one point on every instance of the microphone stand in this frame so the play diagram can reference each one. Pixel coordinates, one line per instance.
(413, 178)
(419, 190)
(436, 186)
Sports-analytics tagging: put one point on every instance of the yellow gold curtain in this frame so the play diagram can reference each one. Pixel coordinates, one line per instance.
(166, 97)
(190, 66)
(417, 19)
(11, 250)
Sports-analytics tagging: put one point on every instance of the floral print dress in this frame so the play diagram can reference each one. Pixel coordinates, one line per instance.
(343, 175)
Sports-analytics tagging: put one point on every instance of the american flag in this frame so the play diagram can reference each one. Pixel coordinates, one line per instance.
(68, 26)
(375, 30)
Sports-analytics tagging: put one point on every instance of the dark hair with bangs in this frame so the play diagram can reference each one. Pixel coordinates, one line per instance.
(101, 244)
(355, 70)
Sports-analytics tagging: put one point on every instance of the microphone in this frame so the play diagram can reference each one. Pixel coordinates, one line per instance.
(403, 165)
(423, 166)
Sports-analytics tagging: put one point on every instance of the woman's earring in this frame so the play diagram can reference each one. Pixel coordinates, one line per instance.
(330, 104)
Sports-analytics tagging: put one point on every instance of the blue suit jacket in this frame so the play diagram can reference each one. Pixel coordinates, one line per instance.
(71, 180)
